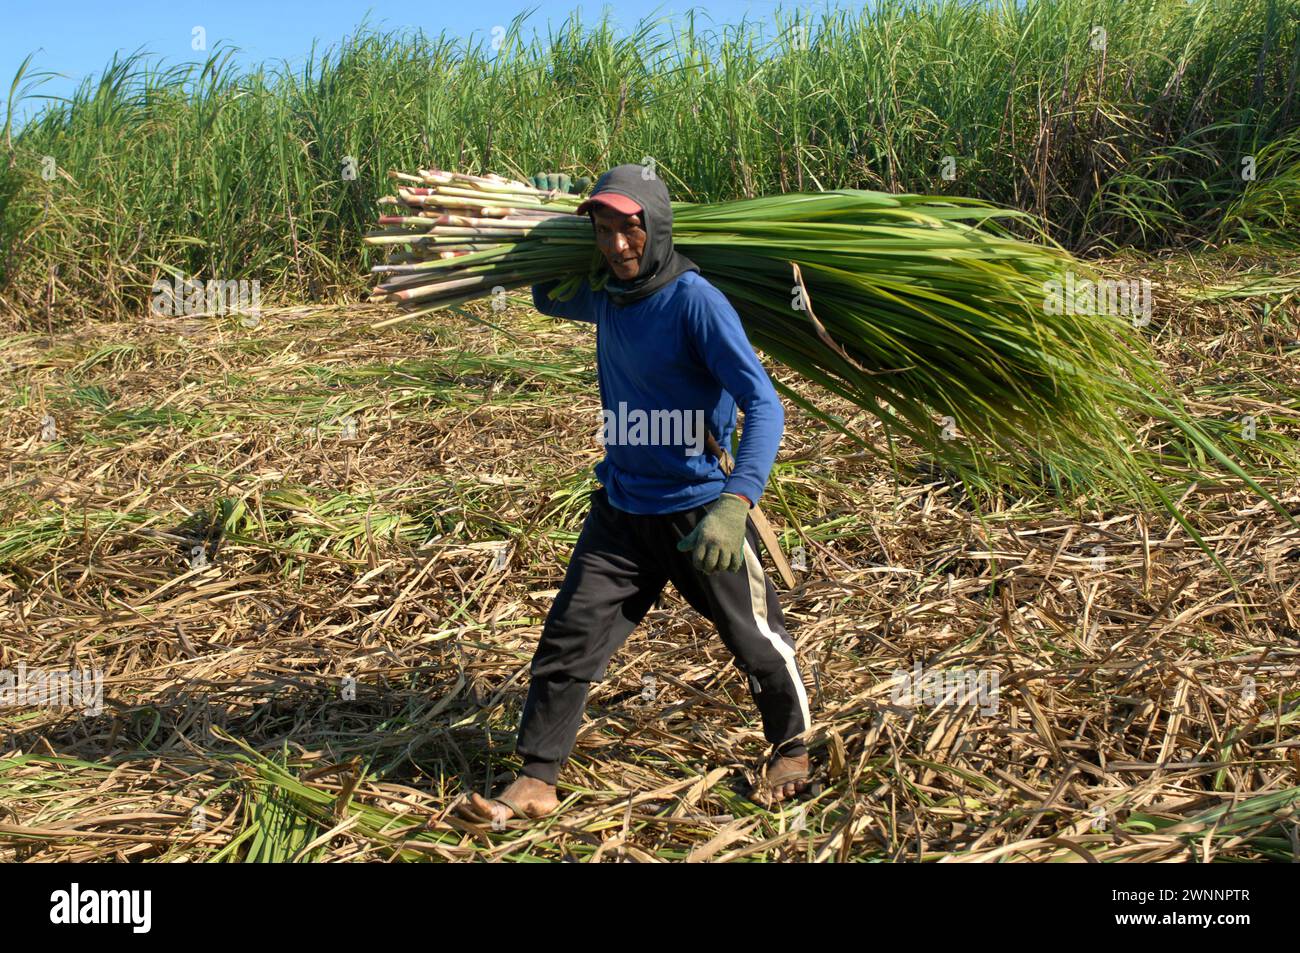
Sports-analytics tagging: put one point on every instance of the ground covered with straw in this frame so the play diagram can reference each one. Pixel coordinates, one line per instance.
(312, 560)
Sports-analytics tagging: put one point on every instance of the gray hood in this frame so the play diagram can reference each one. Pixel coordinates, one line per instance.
(660, 262)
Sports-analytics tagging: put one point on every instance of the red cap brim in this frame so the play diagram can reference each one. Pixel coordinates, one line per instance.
(619, 203)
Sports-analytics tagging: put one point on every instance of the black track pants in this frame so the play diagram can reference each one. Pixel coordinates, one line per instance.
(618, 568)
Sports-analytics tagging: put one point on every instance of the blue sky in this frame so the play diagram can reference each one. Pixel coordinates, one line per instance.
(77, 38)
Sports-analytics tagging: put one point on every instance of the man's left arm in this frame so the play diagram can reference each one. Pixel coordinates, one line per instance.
(722, 345)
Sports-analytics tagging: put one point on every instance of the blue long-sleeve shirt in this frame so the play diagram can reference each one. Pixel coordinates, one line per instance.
(668, 364)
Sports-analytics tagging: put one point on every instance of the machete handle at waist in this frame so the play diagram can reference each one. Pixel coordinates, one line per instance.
(724, 458)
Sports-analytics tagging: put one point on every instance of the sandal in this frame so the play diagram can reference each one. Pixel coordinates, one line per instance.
(517, 811)
(768, 780)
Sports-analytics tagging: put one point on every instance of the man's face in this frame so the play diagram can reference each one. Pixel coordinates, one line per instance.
(621, 239)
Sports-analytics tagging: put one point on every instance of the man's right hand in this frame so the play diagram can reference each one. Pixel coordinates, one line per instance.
(552, 181)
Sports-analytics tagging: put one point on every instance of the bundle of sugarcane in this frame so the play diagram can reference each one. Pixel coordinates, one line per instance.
(926, 311)
(463, 236)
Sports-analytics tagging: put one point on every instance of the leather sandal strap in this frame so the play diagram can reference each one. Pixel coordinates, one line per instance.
(519, 811)
(785, 777)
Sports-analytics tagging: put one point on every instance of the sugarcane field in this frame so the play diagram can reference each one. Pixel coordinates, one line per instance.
(752, 433)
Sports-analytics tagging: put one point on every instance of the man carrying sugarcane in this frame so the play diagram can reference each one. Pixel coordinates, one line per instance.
(671, 348)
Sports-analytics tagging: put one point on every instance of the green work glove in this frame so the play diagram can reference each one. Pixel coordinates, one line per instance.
(548, 181)
(719, 538)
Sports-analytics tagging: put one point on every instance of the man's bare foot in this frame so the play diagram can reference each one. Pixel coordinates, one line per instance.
(784, 778)
(527, 795)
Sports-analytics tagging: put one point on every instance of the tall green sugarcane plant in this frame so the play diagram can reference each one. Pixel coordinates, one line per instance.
(928, 312)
